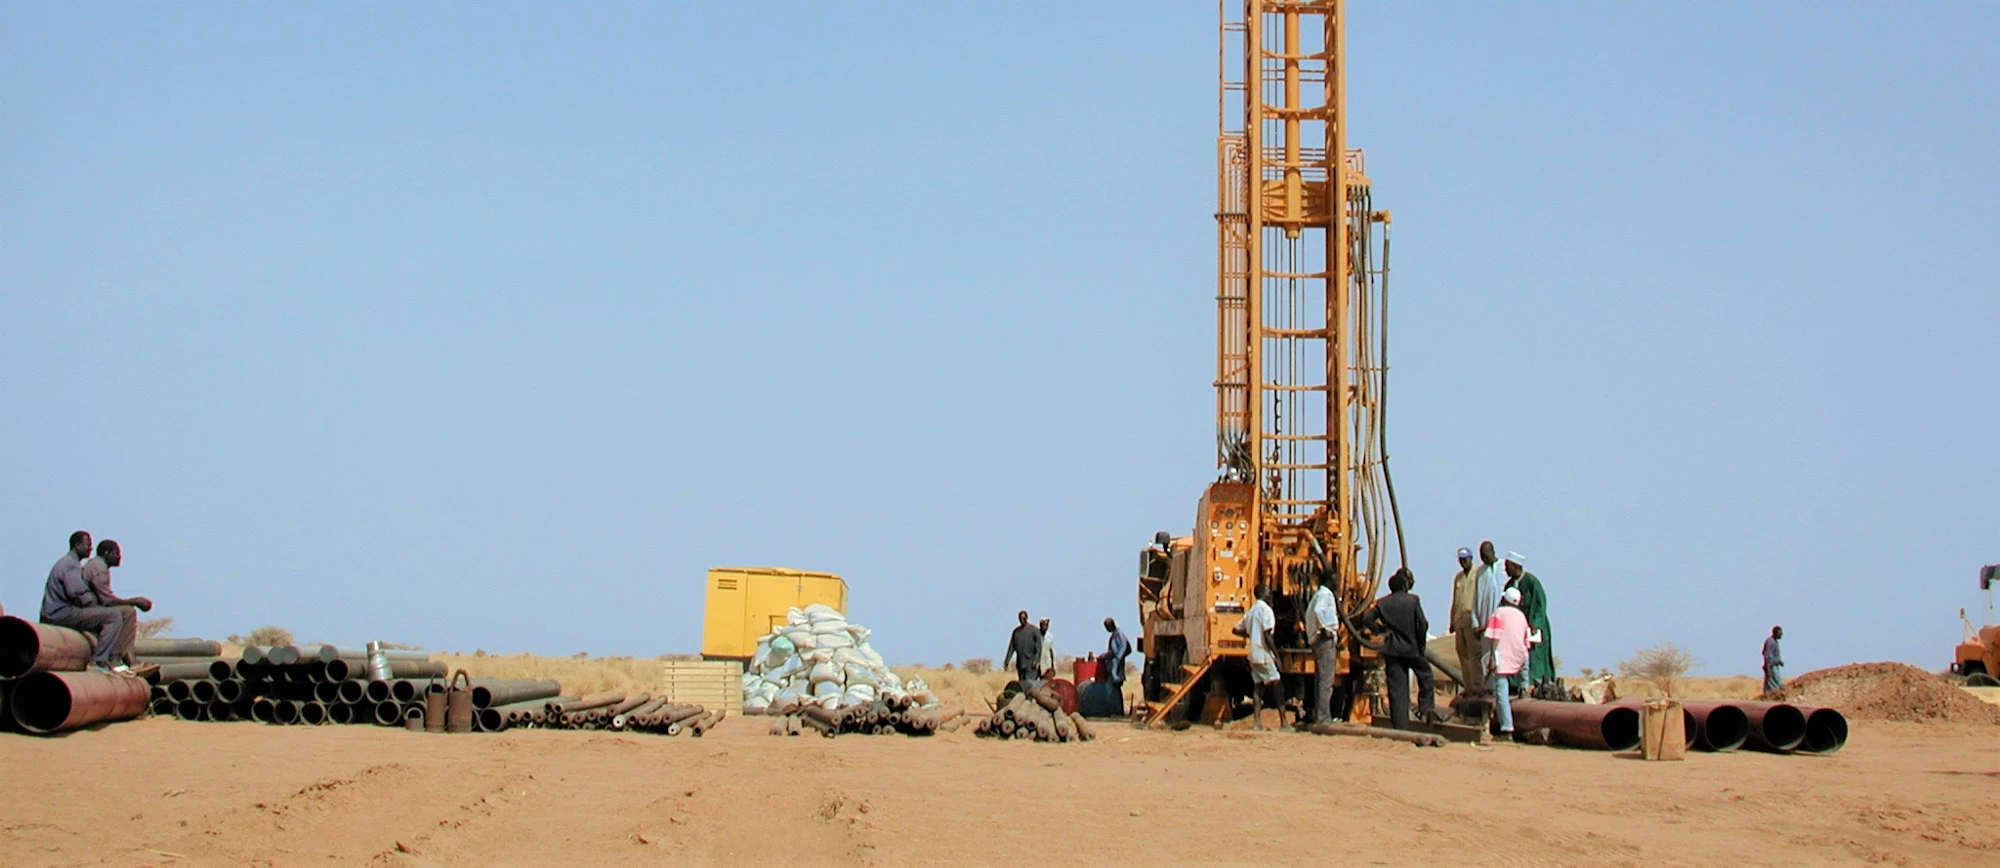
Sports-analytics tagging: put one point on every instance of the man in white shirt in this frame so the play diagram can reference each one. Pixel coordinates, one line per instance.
(1256, 627)
(1323, 630)
(1045, 662)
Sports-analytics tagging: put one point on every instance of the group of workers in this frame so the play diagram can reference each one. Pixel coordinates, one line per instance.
(1499, 622)
(78, 595)
(1033, 654)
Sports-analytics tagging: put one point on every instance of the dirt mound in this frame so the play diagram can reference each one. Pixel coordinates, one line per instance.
(1888, 691)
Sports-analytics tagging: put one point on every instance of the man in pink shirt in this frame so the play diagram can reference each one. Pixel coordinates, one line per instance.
(1508, 629)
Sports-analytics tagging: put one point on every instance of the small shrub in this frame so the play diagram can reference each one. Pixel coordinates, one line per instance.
(264, 636)
(978, 665)
(1663, 664)
(152, 627)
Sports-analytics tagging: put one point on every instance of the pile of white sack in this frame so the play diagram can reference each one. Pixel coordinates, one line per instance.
(818, 658)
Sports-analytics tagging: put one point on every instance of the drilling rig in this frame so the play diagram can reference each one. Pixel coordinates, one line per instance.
(1300, 388)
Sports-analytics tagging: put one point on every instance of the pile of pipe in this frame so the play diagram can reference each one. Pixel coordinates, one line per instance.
(45, 687)
(643, 712)
(290, 685)
(820, 660)
(900, 716)
(1709, 725)
(1036, 715)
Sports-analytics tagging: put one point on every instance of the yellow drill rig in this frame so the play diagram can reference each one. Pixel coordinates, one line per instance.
(1302, 270)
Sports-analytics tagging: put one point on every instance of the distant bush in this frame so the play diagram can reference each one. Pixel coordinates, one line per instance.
(978, 665)
(153, 627)
(398, 646)
(264, 636)
(1663, 664)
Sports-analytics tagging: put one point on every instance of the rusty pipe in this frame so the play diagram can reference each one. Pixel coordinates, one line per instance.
(230, 691)
(163, 706)
(255, 654)
(188, 709)
(177, 668)
(48, 702)
(203, 691)
(389, 713)
(625, 705)
(406, 690)
(1596, 727)
(220, 710)
(489, 692)
(635, 715)
(312, 713)
(1421, 739)
(1724, 726)
(595, 700)
(1774, 726)
(707, 723)
(222, 670)
(282, 655)
(163, 647)
(329, 653)
(264, 709)
(287, 711)
(1825, 731)
(27, 646)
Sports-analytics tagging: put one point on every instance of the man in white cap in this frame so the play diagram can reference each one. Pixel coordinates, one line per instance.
(1534, 604)
(1509, 632)
(1466, 624)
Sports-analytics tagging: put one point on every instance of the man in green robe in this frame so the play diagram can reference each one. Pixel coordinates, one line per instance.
(1534, 604)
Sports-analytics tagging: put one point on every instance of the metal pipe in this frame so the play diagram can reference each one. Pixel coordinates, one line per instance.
(157, 691)
(707, 723)
(203, 691)
(282, 655)
(1826, 731)
(1774, 726)
(596, 700)
(329, 653)
(1723, 725)
(635, 715)
(229, 691)
(188, 709)
(1690, 725)
(264, 709)
(1421, 739)
(220, 711)
(326, 691)
(405, 690)
(1596, 727)
(352, 692)
(181, 690)
(312, 713)
(388, 713)
(163, 706)
(287, 711)
(222, 670)
(172, 668)
(162, 647)
(27, 646)
(254, 654)
(489, 692)
(625, 705)
(46, 702)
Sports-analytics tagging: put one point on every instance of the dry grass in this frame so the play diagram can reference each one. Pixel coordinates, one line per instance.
(1690, 687)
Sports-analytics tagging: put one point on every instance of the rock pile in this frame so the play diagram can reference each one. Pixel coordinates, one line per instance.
(1888, 691)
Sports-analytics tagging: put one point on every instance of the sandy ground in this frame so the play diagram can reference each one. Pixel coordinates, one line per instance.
(170, 792)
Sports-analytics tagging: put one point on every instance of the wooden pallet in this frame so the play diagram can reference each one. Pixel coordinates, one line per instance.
(712, 684)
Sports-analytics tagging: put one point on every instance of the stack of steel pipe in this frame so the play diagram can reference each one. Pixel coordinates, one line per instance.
(1712, 725)
(898, 716)
(286, 684)
(1037, 715)
(44, 687)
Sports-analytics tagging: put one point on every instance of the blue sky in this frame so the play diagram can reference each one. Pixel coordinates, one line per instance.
(493, 326)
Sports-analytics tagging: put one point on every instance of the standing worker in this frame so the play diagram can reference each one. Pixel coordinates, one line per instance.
(1466, 625)
(1045, 655)
(1535, 604)
(1774, 662)
(1257, 626)
(1323, 631)
(1112, 665)
(1401, 616)
(1509, 632)
(1116, 649)
(1024, 649)
(70, 600)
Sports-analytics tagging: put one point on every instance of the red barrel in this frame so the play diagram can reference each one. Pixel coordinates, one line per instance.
(1066, 692)
(1084, 670)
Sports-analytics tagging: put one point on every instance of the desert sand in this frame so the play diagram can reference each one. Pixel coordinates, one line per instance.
(168, 792)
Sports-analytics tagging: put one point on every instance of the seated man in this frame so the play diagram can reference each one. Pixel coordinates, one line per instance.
(78, 596)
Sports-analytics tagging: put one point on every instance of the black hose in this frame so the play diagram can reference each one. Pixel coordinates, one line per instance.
(1382, 405)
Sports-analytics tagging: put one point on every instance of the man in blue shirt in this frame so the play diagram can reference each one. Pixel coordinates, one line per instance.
(1115, 652)
(69, 599)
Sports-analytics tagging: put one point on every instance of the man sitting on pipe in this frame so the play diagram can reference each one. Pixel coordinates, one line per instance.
(78, 596)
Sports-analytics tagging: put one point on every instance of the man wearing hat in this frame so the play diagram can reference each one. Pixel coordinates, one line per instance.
(1466, 625)
(1535, 604)
(1512, 641)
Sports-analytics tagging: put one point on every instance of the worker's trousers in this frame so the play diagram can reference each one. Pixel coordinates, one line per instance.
(1503, 704)
(1396, 670)
(115, 627)
(1471, 659)
(1026, 674)
(1326, 662)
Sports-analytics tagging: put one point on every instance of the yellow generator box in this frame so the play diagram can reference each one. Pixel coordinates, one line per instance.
(745, 603)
